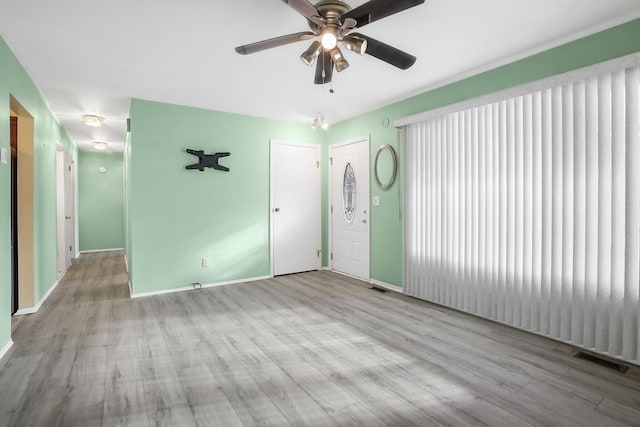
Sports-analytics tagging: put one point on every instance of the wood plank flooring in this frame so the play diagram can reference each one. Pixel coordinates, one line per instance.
(315, 349)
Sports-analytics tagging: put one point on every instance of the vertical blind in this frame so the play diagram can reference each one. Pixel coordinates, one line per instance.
(526, 210)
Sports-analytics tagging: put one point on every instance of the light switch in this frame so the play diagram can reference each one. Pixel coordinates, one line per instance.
(376, 200)
(3, 155)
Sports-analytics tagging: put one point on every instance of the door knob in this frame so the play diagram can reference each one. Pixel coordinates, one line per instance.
(276, 210)
(67, 217)
(364, 221)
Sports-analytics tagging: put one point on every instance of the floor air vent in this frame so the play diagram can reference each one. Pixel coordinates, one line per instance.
(602, 362)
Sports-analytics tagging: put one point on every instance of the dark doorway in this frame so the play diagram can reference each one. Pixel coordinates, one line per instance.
(14, 214)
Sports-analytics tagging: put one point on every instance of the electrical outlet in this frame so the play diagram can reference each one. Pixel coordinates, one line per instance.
(3, 155)
(205, 262)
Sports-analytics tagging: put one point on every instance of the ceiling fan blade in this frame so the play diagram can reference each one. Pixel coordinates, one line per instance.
(324, 68)
(306, 9)
(274, 42)
(374, 10)
(386, 53)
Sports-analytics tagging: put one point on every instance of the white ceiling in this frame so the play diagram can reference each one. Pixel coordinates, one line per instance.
(93, 57)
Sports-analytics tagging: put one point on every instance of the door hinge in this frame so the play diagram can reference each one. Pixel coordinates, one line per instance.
(331, 160)
(318, 164)
(69, 168)
(70, 249)
(331, 208)
(319, 252)
(331, 256)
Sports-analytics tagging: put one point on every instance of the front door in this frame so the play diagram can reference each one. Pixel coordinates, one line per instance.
(349, 209)
(295, 207)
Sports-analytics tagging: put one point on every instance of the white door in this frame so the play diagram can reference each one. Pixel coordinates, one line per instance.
(295, 207)
(349, 211)
(60, 212)
(69, 209)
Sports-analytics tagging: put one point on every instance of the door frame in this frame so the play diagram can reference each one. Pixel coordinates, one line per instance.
(73, 199)
(64, 159)
(363, 138)
(317, 147)
(25, 205)
(60, 229)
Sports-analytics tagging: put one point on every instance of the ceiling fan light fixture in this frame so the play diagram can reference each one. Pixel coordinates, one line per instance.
(355, 44)
(338, 59)
(310, 55)
(332, 23)
(329, 38)
(99, 145)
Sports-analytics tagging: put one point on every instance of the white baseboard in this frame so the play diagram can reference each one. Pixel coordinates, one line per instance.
(386, 286)
(203, 285)
(34, 309)
(23, 311)
(326, 268)
(126, 264)
(350, 275)
(6, 349)
(101, 250)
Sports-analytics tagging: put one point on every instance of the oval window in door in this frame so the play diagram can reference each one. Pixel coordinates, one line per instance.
(349, 193)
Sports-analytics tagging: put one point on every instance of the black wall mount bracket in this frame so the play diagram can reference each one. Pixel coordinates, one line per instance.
(207, 160)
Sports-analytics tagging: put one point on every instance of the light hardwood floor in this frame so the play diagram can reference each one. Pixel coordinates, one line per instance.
(314, 349)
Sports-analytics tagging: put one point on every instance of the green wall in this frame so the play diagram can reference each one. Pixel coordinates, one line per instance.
(386, 226)
(100, 200)
(177, 216)
(48, 131)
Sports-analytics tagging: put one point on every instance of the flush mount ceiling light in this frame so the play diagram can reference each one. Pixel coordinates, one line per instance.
(333, 22)
(92, 120)
(319, 122)
(99, 145)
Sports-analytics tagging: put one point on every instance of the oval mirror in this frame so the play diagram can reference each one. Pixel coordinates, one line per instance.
(385, 166)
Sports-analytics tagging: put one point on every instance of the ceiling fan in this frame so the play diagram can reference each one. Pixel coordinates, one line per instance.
(333, 22)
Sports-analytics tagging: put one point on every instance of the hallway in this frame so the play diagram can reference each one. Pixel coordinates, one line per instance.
(55, 371)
